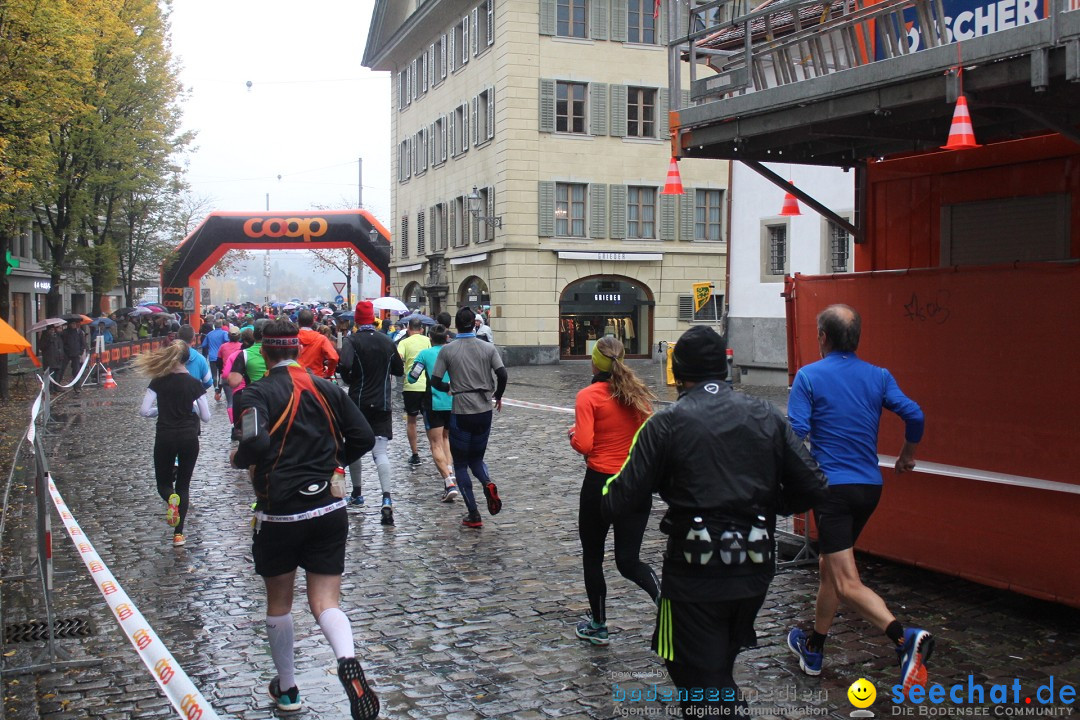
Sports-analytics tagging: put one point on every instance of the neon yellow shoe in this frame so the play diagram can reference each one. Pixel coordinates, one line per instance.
(172, 515)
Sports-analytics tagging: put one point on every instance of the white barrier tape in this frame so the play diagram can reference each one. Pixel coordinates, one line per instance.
(75, 379)
(537, 406)
(170, 677)
(953, 471)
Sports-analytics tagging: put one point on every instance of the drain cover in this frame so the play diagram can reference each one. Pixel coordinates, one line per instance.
(37, 630)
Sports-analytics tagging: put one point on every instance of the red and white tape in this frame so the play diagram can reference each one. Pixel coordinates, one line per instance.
(170, 677)
(537, 406)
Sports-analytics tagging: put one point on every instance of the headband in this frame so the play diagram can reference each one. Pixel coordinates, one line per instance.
(283, 342)
(602, 362)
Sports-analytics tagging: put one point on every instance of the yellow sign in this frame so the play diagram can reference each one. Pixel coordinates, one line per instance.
(702, 293)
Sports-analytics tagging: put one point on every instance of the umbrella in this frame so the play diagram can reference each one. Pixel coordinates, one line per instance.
(345, 316)
(10, 340)
(104, 321)
(423, 318)
(164, 315)
(153, 307)
(81, 319)
(390, 303)
(289, 306)
(42, 324)
(140, 311)
(326, 311)
(125, 311)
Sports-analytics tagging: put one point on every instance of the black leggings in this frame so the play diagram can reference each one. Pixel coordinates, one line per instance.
(593, 530)
(172, 479)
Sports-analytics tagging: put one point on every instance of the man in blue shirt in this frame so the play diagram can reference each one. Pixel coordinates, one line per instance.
(836, 403)
(196, 364)
(211, 343)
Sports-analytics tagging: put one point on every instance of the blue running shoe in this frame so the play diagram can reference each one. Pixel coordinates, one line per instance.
(286, 700)
(387, 511)
(355, 501)
(916, 650)
(810, 662)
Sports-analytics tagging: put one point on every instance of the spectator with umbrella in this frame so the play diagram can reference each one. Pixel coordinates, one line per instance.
(51, 347)
(74, 342)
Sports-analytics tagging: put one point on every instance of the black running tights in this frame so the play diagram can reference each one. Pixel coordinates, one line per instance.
(171, 478)
(593, 531)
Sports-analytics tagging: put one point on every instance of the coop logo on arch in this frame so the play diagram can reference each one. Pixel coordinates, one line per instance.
(306, 228)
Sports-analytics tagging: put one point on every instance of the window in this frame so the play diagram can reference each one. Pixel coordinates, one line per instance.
(403, 241)
(774, 251)
(570, 18)
(437, 54)
(438, 227)
(461, 44)
(461, 221)
(711, 312)
(404, 160)
(484, 117)
(420, 151)
(483, 26)
(708, 215)
(421, 74)
(570, 107)
(640, 23)
(839, 250)
(420, 240)
(404, 89)
(459, 130)
(569, 210)
(438, 141)
(640, 213)
(640, 112)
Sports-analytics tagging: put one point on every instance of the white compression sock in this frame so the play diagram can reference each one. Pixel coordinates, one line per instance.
(279, 629)
(338, 631)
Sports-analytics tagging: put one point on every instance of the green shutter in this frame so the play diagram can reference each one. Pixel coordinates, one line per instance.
(452, 224)
(545, 226)
(598, 211)
(618, 110)
(618, 20)
(491, 112)
(686, 214)
(547, 17)
(598, 19)
(618, 211)
(667, 217)
(547, 105)
(662, 129)
(684, 99)
(598, 110)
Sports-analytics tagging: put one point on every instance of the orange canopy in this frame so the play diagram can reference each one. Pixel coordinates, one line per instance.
(10, 340)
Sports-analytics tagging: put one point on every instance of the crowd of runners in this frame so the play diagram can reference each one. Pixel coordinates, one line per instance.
(309, 392)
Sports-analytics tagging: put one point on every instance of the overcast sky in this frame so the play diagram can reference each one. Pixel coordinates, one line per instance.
(310, 114)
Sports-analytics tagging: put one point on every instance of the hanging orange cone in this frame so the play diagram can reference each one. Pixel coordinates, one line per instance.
(961, 133)
(791, 206)
(674, 180)
(109, 383)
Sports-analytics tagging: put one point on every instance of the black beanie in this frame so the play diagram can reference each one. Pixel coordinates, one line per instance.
(700, 354)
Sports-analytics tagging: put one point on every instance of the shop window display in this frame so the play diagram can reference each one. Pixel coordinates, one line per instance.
(595, 307)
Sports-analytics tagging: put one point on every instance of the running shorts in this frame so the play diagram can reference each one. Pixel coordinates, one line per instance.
(434, 419)
(413, 400)
(316, 545)
(381, 422)
(843, 514)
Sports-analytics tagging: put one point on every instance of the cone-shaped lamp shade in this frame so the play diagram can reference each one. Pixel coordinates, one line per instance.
(961, 133)
(791, 206)
(673, 186)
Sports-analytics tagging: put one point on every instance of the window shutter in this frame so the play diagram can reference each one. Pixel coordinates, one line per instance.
(490, 22)
(545, 226)
(686, 308)
(618, 20)
(404, 236)
(490, 230)
(453, 134)
(681, 25)
(476, 33)
(452, 223)
(662, 113)
(408, 157)
(464, 127)
(598, 19)
(431, 145)
(464, 39)
(598, 211)
(476, 120)
(451, 37)
(686, 214)
(442, 51)
(667, 217)
(420, 231)
(444, 138)
(547, 104)
(684, 98)
(547, 17)
(618, 110)
(414, 79)
(491, 112)
(431, 65)
(408, 83)
(598, 110)
(618, 211)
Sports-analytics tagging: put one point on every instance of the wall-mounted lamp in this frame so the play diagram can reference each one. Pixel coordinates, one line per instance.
(474, 207)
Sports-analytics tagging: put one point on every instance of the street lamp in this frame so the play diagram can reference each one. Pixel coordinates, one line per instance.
(474, 208)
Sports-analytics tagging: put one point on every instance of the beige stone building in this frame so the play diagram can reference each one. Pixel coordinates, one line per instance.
(555, 111)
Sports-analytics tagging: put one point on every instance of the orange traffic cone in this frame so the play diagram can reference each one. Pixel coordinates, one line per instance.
(674, 180)
(109, 383)
(791, 206)
(961, 133)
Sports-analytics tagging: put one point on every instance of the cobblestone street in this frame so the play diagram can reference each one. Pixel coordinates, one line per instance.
(449, 622)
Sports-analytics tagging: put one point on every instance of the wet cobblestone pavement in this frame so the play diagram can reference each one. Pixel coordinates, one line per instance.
(449, 622)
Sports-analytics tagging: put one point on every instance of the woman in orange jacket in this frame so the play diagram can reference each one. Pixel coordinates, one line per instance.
(607, 415)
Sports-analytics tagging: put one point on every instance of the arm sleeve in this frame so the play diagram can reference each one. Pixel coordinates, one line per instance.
(908, 410)
(147, 409)
(582, 440)
(500, 382)
(248, 452)
(802, 483)
(800, 404)
(203, 408)
(397, 365)
(640, 475)
(359, 439)
(207, 378)
(438, 372)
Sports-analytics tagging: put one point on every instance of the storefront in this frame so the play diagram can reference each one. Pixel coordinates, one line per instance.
(413, 296)
(601, 305)
(474, 294)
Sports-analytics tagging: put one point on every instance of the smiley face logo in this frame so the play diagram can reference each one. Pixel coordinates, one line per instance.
(862, 693)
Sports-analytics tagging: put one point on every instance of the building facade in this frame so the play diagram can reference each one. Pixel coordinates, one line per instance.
(553, 116)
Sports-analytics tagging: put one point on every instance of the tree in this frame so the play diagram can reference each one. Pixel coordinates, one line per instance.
(341, 259)
(190, 210)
